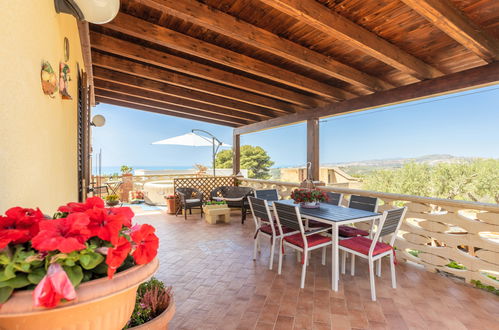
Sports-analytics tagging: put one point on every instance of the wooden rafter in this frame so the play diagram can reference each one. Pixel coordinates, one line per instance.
(157, 34)
(454, 23)
(227, 25)
(178, 110)
(173, 100)
(125, 104)
(329, 22)
(184, 93)
(153, 73)
(179, 64)
(451, 83)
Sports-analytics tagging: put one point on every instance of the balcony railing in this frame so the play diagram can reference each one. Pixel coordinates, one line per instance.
(450, 236)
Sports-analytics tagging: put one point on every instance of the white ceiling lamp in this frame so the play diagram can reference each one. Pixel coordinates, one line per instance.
(93, 11)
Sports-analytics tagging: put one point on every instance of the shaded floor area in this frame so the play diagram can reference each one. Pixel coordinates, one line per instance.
(217, 285)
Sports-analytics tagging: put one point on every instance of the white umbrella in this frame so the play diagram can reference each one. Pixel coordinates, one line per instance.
(194, 140)
(190, 139)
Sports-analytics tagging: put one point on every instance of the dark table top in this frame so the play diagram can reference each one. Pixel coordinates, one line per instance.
(332, 212)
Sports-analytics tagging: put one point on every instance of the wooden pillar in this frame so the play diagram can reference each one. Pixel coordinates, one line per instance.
(236, 154)
(313, 146)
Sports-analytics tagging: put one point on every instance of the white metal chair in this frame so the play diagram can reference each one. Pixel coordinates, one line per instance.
(265, 225)
(288, 216)
(267, 194)
(374, 249)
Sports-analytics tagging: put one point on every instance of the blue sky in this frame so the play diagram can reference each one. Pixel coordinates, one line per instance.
(464, 124)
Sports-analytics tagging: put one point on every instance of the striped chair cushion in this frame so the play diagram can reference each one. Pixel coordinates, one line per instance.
(362, 245)
(347, 231)
(312, 240)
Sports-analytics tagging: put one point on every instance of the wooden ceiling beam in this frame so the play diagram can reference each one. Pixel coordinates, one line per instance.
(451, 83)
(171, 100)
(153, 73)
(456, 25)
(179, 64)
(329, 22)
(157, 34)
(171, 108)
(202, 15)
(188, 94)
(124, 104)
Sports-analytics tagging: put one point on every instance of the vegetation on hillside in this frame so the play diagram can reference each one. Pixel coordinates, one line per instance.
(477, 180)
(254, 159)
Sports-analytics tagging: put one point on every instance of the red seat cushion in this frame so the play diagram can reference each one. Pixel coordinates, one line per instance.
(312, 240)
(347, 231)
(362, 245)
(268, 229)
(317, 224)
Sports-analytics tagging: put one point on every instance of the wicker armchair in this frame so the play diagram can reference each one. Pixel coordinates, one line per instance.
(189, 198)
(236, 197)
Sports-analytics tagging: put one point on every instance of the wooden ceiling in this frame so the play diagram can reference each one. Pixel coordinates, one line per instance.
(243, 62)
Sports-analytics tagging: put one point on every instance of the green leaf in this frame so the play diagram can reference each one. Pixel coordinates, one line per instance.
(91, 260)
(7, 273)
(75, 274)
(36, 275)
(5, 293)
(69, 262)
(100, 269)
(21, 280)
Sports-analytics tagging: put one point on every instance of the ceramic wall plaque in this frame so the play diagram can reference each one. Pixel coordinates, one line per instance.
(64, 80)
(49, 79)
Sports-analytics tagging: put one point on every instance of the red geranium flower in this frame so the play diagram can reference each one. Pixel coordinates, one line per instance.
(53, 287)
(90, 203)
(104, 225)
(19, 225)
(65, 234)
(146, 244)
(126, 212)
(116, 255)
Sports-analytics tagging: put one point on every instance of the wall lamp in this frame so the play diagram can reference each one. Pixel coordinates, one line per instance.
(98, 121)
(93, 11)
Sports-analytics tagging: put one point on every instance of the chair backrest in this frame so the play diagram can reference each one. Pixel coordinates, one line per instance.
(188, 192)
(365, 203)
(267, 194)
(389, 224)
(288, 216)
(231, 192)
(334, 198)
(260, 211)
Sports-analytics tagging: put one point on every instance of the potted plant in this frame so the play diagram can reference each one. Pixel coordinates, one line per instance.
(171, 203)
(126, 170)
(309, 198)
(112, 200)
(214, 205)
(154, 306)
(53, 270)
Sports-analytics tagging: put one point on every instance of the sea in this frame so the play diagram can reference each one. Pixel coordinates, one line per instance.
(110, 170)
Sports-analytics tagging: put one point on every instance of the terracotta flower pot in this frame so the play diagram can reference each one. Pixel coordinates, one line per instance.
(161, 321)
(100, 304)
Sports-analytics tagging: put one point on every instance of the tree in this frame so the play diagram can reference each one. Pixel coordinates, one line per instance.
(254, 159)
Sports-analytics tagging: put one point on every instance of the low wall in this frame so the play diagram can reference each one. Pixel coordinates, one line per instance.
(440, 234)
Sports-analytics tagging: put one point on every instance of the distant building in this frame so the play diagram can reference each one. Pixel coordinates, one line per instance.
(331, 176)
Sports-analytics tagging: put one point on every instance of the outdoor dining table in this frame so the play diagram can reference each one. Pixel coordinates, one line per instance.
(335, 216)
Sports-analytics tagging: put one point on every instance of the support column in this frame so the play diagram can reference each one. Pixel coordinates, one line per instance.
(236, 154)
(313, 146)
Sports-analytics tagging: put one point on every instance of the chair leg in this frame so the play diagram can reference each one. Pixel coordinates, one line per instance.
(309, 255)
(352, 265)
(304, 270)
(255, 247)
(279, 268)
(343, 261)
(272, 254)
(371, 279)
(392, 269)
(259, 244)
(378, 267)
(324, 256)
(298, 256)
(185, 213)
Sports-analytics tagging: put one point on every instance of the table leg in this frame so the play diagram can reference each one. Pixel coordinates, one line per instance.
(335, 257)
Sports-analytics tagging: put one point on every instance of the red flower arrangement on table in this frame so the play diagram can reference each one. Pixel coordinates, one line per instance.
(308, 196)
(83, 241)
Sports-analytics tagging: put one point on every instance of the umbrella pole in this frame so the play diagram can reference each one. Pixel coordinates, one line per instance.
(213, 154)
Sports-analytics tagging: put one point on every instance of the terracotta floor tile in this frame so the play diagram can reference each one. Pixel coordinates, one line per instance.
(217, 285)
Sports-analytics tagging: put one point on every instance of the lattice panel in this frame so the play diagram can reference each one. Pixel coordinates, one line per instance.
(437, 234)
(205, 184)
